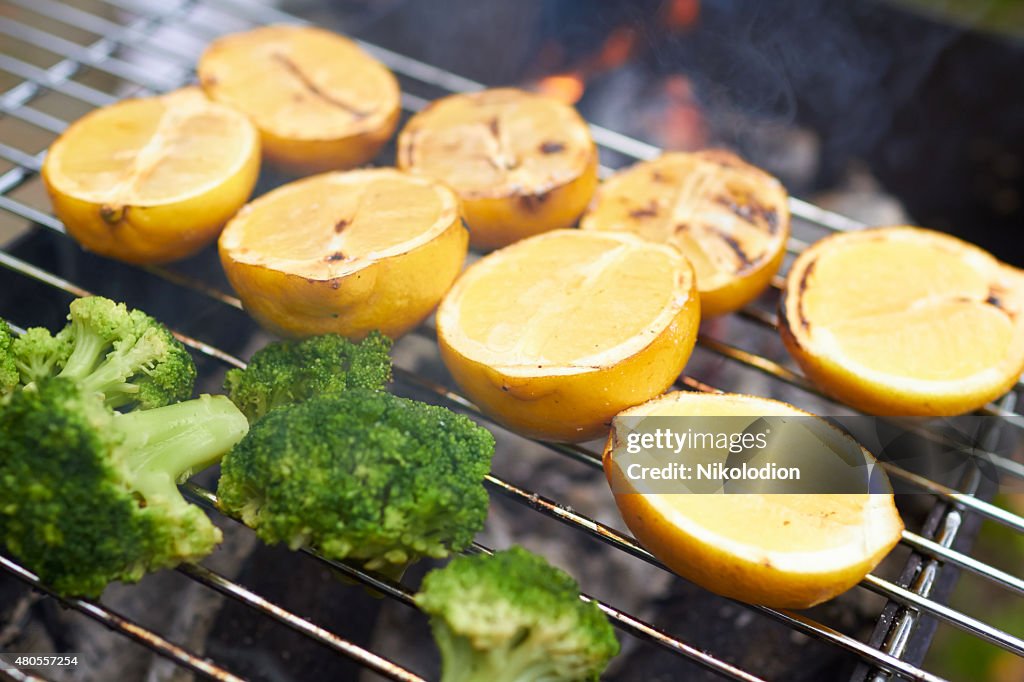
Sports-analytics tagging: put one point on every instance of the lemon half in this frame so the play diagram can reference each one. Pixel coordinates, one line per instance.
(153, 179)
(780, 550)
(319, 101)
(554, 335)
(345, 252)
(522, 163)
(905, 321)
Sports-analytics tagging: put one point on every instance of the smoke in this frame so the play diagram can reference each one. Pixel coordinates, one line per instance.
(842, 69)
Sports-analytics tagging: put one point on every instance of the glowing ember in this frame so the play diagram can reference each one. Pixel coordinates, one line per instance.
(567, 87)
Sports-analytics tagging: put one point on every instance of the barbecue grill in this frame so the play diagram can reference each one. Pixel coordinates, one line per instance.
(76, 56)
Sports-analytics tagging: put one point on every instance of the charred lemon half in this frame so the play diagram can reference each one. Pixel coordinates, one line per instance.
(728, 217)
(905, 321)
(522, 163)
(319, 101)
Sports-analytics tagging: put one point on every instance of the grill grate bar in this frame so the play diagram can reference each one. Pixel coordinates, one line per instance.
(118, 623)
(942, 552)
(21, 675)
(369, 659)
(72, 16)
(105, 63)
(980, 507)
(54, 80)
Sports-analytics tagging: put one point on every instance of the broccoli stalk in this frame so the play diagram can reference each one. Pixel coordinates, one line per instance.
(288, 372)
(88, 495)
(124, 355)
(166, 445)
(513, 617)
(363, 475)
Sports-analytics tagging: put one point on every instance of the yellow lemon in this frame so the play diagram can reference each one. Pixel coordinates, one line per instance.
(729, 218)
(319, 101)
(154, 179)
(905, 321)
(522, 163)
(554, 335)
(780, 550)
(345, 252)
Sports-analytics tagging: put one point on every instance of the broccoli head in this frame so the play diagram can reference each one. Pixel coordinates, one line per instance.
(9, 375)
(125, 355)
(88, 495)
(363, 475)
(513, 617)
(287, 372)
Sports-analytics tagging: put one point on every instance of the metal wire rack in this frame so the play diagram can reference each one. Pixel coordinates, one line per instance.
(109, 50)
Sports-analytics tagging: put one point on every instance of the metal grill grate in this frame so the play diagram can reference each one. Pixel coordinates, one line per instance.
(122, 58)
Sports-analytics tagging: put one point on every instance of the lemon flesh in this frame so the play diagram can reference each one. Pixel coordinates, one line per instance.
(780, 550)
(521, 163)
(556, 334)
(729, 218)
(905, 321)
(152, 179)
(319, 101)
(347, 252)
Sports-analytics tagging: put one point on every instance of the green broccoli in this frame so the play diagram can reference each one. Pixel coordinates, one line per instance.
(513, 617)
(125, 355)
(88, 495)
(288, 372)
(9, 375)
(363, 475)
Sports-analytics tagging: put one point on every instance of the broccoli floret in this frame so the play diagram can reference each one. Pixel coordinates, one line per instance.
(288, 372)
(363, 475)
(9, 375)
(38, 354)
(88, 495)
(125, 355)
(513, 617)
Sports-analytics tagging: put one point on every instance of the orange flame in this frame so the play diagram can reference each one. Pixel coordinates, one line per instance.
(617, 49)
(567, 87)
(681, 14)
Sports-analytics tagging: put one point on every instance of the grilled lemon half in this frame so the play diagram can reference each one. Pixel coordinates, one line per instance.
(780, 550)
(319, 101)
(556, 334)
(153, 179)
(905, 321)
(345, 252)
(522, 163)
